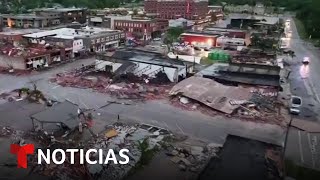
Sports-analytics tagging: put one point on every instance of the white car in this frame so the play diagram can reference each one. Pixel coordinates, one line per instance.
(157, 39)
(295, 104)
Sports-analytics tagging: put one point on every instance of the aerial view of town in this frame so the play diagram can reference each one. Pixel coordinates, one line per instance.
(160, 89)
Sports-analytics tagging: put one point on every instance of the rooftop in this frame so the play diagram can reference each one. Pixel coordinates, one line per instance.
(137, 20)
(223, 29)
(263, 19)
(26, 16)
(64, 112)
(210, 93)
(11, 31)
(146, 57)
(59, 9)
(200, 34)
(17, 114)
(253, 74)
(70, 33)
(31, 51)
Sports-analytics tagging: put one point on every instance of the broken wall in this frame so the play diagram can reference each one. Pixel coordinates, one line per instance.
(15, 62)
(101, 64)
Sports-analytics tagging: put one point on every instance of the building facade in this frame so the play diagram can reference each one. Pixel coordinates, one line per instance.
(232, 33)
(139, 28)
(173, 9)
(66, 15)
(201, 40)
(28, 21)
(75, 41)
(32, 57)
(142, 63)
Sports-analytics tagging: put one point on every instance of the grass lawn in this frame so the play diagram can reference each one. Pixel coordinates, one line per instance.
(303, 34)
(300, 28)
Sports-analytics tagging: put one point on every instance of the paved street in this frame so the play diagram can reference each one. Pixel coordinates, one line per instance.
(303, 148)
(305, 79)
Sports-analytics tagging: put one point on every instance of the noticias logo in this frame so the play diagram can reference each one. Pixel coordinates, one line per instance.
(58, 156)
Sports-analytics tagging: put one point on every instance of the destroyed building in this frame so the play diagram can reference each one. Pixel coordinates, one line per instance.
(64, 114)
(30, 57)
(254, 103)
(211, 93)
(140, 63)
(82, 39)
(242, 73)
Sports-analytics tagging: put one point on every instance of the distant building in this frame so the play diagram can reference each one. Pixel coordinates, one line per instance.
(43, 18)
(67, 15)
(16, 36)
(139, 28)
(142, 28)
(106, 21)
(77, 40)
(29, 21)
(200, 39)
(253, 21)
(184, 23)
(173, 9)
(232, 33)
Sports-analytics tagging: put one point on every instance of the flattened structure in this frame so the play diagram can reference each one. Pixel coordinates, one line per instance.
(211, 93)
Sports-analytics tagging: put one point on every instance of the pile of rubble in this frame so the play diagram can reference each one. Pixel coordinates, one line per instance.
(261, 108)
(129, 137)
(124, 88)
(116, 137)
(258, 104)
(192, 158)
(191, 105)
(6, 131)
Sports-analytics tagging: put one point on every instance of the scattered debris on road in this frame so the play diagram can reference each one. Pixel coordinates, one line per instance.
(126, 86)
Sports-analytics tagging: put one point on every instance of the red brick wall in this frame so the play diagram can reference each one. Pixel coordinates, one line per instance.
(136, 26)
(174, 9)
(11, 38)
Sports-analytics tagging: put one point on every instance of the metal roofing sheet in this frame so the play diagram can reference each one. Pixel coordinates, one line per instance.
(211, 93)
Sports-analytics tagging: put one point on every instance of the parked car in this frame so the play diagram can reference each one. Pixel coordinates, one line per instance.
(157, 39)
(295, 104)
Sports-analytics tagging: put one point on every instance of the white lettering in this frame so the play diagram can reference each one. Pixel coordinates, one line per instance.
(100, 156)
(54, 156)
(41, 156)
(88, 156)
(111, 156)
(72, 152)
(81, 156)
(126, 157)
(58, 156)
